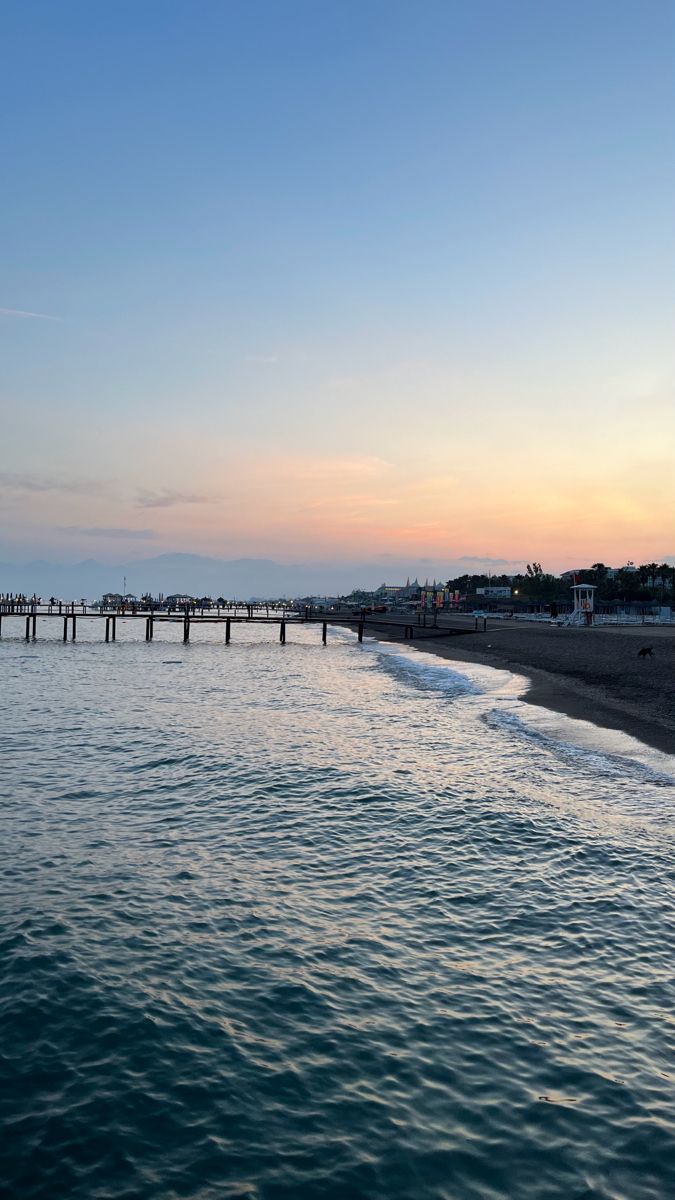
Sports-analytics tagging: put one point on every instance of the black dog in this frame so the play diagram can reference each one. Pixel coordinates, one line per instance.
(645, 652)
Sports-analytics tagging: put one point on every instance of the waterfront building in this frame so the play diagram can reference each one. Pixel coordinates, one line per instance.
(494, 593)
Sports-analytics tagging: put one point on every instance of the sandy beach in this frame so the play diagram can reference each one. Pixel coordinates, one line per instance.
(592, 674)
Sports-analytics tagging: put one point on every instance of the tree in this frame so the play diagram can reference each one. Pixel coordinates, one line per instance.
(667, 574)
(643, 575)
(653, 569)
(604, 581)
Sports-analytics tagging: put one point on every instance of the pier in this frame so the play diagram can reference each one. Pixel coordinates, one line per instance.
(69, 615)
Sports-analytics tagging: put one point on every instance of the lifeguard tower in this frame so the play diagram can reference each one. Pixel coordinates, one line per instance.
(582, 613)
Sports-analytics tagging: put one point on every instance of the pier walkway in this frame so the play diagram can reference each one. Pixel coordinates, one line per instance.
(405, 626)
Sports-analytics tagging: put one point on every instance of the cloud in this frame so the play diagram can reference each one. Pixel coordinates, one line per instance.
(108, 531)
(167, 498)
(30, 316)
(339, 468)
(20, 482)
(486, 560)
(349, 501)
(262, 360)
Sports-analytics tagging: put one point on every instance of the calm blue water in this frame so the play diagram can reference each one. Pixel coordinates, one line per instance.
(286, 923)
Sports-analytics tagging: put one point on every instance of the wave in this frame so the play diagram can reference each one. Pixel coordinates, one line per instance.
(609, 753)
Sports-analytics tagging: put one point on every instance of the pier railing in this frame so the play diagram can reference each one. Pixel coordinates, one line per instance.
(228, 615)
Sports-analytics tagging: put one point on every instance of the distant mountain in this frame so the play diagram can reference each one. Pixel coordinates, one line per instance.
(195, 574)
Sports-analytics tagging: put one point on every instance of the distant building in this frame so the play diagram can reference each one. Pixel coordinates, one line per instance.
(609, 573)
(321, 603)
(494, 593)
(393, 592)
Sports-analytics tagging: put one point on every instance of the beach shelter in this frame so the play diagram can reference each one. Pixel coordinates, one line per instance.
(582, 613)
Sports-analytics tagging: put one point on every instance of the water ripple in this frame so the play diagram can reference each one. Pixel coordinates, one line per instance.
(325, 923)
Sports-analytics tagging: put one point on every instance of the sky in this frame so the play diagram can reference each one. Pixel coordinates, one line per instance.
(338, 282)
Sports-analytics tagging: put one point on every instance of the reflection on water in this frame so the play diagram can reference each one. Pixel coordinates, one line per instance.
(302, 922)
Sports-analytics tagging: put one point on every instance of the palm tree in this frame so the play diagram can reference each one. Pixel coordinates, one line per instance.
(653, 569)
(643, 575)
(599, 574)
(667, 574)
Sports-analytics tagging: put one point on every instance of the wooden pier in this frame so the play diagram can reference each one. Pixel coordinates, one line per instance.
(71, 614)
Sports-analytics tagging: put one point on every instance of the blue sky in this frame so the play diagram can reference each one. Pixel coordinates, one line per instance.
(305, 260)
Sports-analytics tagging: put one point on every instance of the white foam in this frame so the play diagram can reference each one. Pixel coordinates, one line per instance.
(606, 750)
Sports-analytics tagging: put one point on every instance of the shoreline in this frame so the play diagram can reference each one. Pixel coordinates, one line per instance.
(591, 675)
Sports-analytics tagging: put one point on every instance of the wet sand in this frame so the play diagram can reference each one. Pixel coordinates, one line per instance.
(592, 674)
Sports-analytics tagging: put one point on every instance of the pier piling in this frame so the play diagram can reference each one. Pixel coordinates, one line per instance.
(264, 614)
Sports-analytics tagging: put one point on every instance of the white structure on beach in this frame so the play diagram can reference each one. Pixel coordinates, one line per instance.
(583, 605)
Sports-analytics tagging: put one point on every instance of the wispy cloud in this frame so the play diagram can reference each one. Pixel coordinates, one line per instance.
(262, 360)
(486, 560)
(24, 483)
(351, 501)
(342, 468)
(168, 498)
(29, 316)
(109, 531)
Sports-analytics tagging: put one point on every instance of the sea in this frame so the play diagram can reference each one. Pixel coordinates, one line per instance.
(324, 923)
